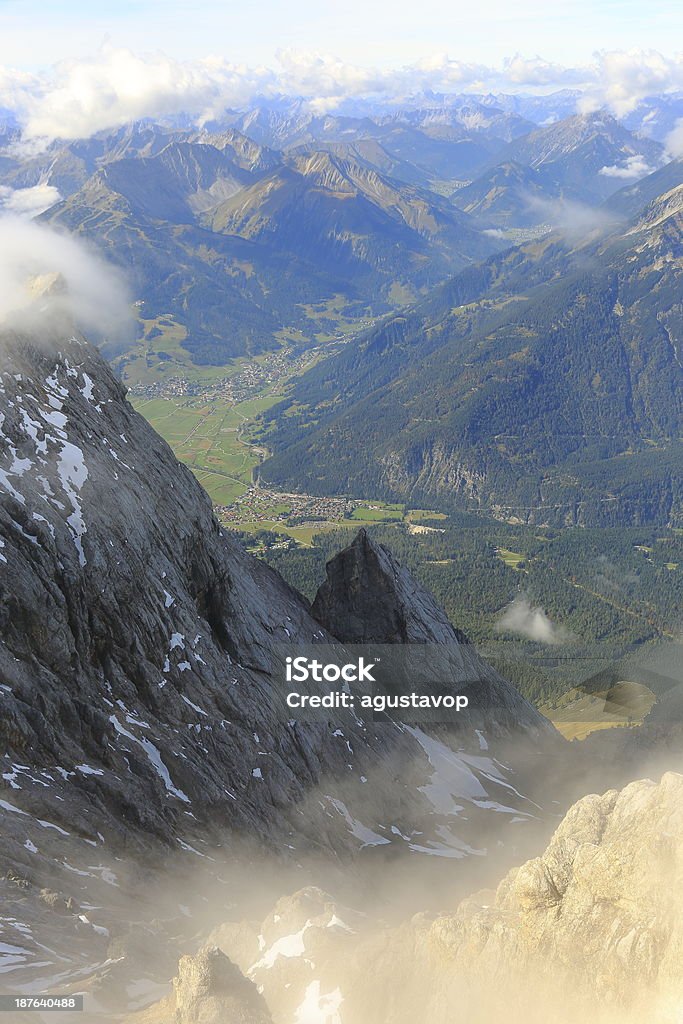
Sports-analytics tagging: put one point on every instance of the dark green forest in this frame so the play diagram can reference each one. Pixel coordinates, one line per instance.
(613, 594)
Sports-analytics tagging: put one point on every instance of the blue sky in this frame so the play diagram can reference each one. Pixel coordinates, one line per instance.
(35, 33)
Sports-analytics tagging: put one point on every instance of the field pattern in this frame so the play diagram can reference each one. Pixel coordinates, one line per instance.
(205, 435)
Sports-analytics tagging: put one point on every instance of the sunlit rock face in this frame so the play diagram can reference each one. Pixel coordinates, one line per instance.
(599, 910)
(208, 989)
(590, 930)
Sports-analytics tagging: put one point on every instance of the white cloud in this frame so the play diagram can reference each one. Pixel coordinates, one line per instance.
(522, 618)
(116, 86)
(572, 219)
(95, 294)
(78, 97)
(633, 167)
(28, 202)
(15, 87)
(538, 72)
(622, 78)
(674, 141)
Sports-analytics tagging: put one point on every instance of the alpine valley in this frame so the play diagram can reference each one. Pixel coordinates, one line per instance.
(400, 377)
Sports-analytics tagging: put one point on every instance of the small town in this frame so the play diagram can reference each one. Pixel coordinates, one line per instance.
(249, 382)
(260, 504)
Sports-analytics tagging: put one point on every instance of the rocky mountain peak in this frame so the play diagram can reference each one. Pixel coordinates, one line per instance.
(210, 989)
(368, 597)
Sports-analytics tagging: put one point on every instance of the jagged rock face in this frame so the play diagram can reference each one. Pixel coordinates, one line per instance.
(286, 954)
(592, 929)
(598, 914)
(208, 989)
(369, 598)
(136, 636)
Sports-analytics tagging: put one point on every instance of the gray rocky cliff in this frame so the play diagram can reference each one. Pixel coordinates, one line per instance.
(139, 710)
(136, 635)
(368, 597)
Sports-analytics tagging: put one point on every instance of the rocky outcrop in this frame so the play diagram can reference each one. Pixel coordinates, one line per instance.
(600, 909)
(368, 597)
(208, 989)
(591, 929)
(288, 956)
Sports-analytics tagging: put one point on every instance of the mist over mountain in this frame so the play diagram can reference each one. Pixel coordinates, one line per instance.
(586, 927)
(142, 714)
(404, 350)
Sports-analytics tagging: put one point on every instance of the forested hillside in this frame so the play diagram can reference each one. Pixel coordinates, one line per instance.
(604, 593)
(544, 385)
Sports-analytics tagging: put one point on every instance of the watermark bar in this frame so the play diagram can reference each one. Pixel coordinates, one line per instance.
(40, 1004)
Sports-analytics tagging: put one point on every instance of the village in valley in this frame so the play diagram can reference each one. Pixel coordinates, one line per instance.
(250, 380)
(261, 504)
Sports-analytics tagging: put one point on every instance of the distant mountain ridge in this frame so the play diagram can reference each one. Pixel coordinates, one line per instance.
(365, 229)
(544, 385)
(582, 159)
(235, 255)
(332, 210)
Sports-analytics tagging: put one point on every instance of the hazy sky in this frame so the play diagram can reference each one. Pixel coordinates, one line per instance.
(69, 68)
(36, 33)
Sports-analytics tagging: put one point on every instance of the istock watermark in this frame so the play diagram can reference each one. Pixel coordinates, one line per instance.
(416, 683)
(303, 669)
(452, 683)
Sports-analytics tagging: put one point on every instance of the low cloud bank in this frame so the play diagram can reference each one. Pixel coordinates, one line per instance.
(28, 202)
(86, 288)
(572, 219)
(634, 167)
(77, 98)
(523, 619)
(674, 141)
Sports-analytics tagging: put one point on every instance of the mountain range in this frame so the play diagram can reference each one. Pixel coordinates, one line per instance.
(233, 254)
(543, 385)
(278, 223)
(157, 791)
(581, 159)
(147, 760)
